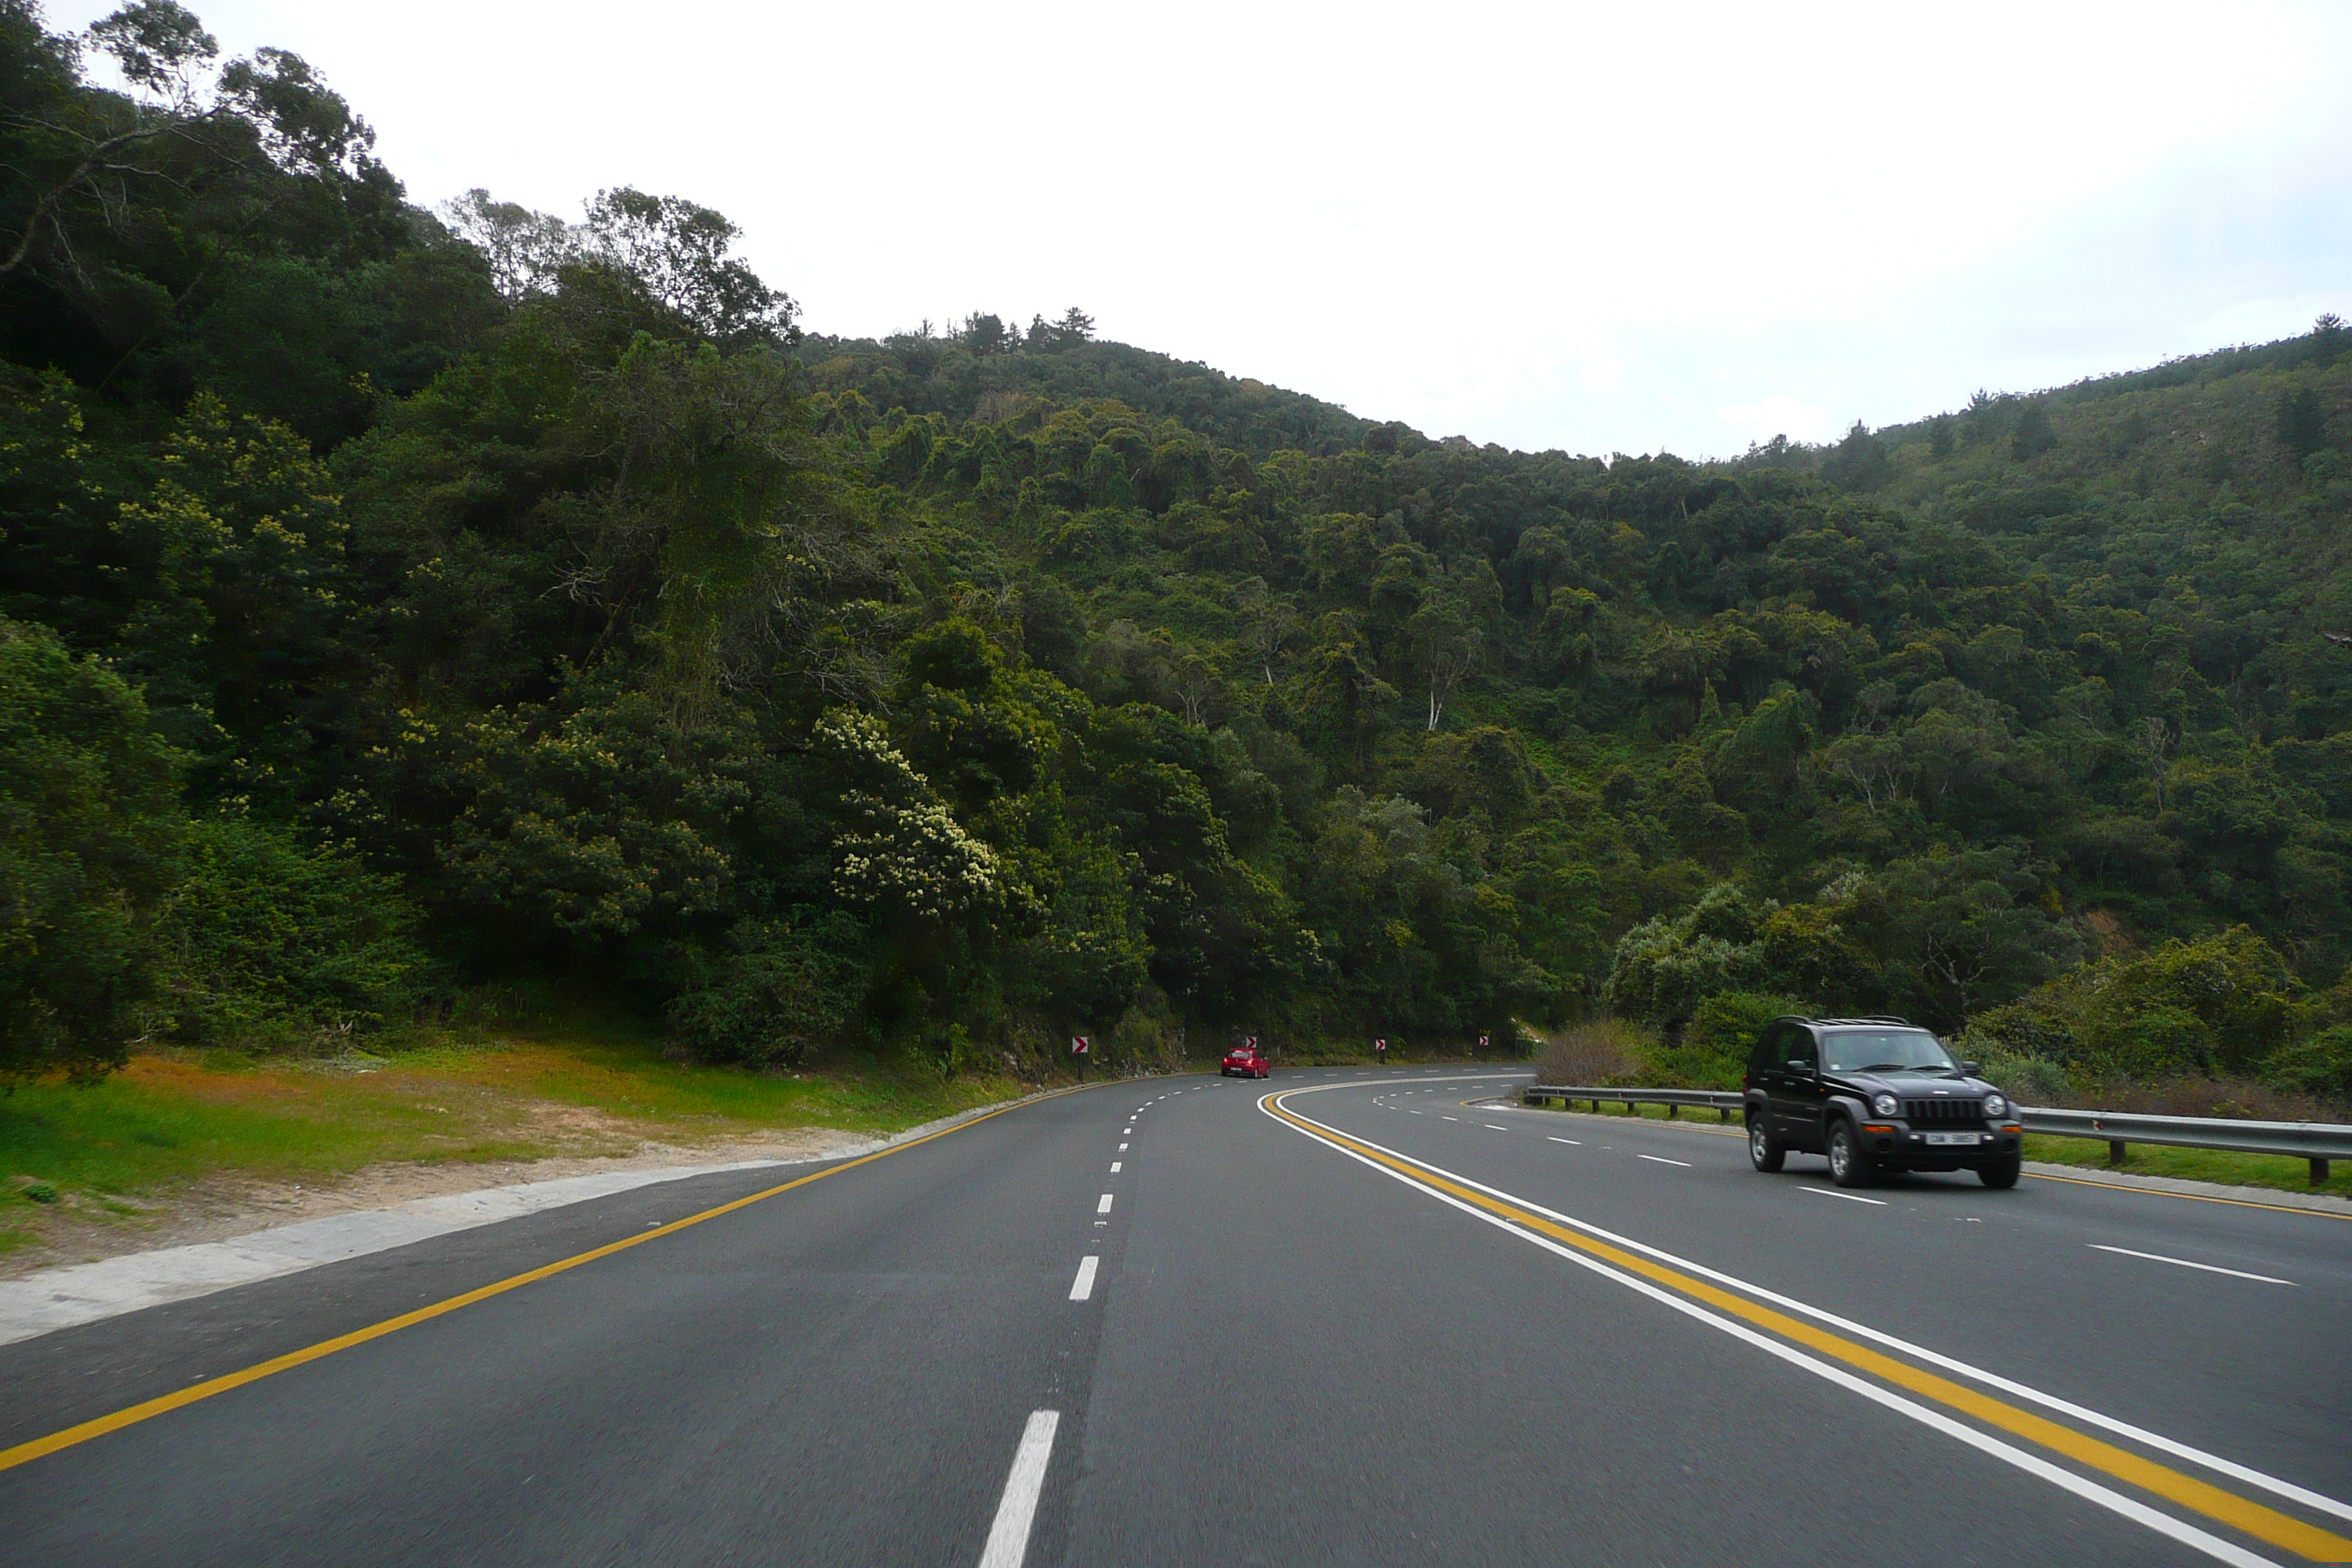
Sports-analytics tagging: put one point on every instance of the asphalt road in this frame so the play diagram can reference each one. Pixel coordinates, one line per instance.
(1345, 1318)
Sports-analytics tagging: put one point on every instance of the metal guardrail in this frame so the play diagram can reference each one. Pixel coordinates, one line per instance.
(2317, 1142)
(1673, 1100)
(2320, 1143)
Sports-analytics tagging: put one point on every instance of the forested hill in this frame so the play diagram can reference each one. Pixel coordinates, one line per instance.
(397, 601)
(983, 371)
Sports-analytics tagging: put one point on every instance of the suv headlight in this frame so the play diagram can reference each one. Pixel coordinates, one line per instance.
(1885, 1104)
(1996, 1105)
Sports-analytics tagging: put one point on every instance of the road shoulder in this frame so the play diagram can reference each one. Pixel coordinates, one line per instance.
(74, 1294)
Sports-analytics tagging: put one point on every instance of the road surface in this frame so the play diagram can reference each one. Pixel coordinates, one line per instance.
(1333, 1318)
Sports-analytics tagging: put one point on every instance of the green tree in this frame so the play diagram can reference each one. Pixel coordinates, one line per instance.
(1858, 462)
(1449, 630)
(2302, 423)
(90, 828)
(2032, 435)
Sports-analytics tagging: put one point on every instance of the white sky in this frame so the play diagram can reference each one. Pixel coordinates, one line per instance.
(1620, 226)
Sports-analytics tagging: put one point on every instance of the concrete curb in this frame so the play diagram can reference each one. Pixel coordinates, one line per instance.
(2276, 1197)
(73, 1294)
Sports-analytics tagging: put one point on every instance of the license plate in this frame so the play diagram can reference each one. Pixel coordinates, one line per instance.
(1947, 1140)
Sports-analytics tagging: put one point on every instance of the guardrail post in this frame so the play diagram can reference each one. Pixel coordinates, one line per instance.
(2115, 1150)
(2319, 1172)
(1671, 1108)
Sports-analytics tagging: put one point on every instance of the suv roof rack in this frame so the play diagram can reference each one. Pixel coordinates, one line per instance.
(1865, 1019)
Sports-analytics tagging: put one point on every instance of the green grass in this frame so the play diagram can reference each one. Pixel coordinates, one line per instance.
(2194, 1164)
(585, 1087)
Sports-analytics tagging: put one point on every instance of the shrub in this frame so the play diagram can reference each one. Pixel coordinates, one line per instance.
(2218, 1005)
(1714, 1049)
(2027, 1080)
(776, 990)
(267, 940)
(1597, 1052)
(2320, 1067)
(90, 827)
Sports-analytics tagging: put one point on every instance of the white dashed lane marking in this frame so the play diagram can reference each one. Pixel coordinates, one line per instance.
(2184, 1263)
(1008, 1538)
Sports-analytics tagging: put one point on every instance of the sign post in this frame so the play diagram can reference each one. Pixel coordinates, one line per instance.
(1079, 1045)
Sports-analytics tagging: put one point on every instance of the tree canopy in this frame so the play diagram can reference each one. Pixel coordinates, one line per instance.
(959, 690)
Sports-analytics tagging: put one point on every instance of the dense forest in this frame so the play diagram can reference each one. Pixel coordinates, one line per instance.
(394, 602)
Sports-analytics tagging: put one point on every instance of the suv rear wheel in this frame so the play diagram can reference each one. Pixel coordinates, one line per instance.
(1766, 1153)
(1849, 1166)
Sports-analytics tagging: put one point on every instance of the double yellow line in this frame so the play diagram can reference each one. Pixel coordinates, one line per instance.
(25, 1453)
(2263, 1523)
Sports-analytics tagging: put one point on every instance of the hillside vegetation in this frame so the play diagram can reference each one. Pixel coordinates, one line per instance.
(397, 600)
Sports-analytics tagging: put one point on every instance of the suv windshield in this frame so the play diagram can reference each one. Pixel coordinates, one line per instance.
(1883, 1050)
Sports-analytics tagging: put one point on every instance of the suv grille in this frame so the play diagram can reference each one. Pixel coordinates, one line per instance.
(1944, 1112)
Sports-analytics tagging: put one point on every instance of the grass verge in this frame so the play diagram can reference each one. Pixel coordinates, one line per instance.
(2193, 1165)
(119, 1152)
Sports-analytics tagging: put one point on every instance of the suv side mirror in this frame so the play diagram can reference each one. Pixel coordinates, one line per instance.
(1798, 1064)
(1972, 1069)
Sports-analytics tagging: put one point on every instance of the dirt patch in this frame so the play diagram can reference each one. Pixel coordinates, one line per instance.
(220, 1208)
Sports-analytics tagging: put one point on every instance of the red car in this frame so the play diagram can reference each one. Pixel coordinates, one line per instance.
(1244, 1061)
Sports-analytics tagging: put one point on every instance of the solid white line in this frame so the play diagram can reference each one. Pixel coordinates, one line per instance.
(1114, 1165)
(1008, 1538)
(1104, 1206)
(1549, 1139)
(1850, 1197)
(2184, 1263)
(2178, 1450)
(1662, 1160)
(1084, 1285)
(2032, 1464)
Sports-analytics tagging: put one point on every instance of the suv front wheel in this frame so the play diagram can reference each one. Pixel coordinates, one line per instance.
(1849, 1166)
(2003, 1174)
(1764, 1151)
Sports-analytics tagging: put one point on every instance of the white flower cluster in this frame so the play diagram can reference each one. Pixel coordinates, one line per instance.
(916, 855)
(860, 740)
(919, 856)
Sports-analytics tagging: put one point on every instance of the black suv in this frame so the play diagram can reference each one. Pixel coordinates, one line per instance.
(1874, 1094)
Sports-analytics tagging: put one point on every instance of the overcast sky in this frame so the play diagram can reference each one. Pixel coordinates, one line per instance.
(1602, 227)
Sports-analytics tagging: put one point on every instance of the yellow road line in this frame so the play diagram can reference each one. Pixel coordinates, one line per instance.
(2240, 1513)
(23, 1453)
(2192, 1197)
